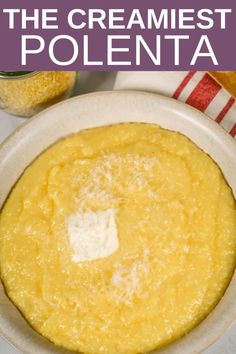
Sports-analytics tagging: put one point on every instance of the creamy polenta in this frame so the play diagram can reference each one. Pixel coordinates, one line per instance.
(172, 220)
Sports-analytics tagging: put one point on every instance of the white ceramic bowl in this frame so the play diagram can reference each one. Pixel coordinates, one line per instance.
(103, 109)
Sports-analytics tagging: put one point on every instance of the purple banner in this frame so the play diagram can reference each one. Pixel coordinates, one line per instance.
(117, 35)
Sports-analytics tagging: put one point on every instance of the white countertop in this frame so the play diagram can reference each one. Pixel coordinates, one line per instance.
(90, 82)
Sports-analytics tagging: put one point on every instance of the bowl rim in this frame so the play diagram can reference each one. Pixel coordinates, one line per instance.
(40, 115)
(172, 104)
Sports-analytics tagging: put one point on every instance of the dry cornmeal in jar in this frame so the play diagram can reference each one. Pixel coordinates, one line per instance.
(118, 240)
(26, 95)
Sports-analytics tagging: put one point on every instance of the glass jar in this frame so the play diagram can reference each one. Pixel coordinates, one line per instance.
(27, 93)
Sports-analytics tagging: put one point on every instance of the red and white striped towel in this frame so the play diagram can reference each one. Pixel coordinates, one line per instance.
(198, 89)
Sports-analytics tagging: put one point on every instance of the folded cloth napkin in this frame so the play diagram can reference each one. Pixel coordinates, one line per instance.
(198, 89)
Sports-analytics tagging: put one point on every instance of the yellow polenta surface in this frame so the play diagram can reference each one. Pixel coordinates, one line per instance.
(176, 221)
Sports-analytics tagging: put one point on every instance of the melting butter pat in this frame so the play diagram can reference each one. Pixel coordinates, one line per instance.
(93, 235)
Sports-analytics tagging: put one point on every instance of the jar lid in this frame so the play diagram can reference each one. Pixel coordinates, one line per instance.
(15, 74)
